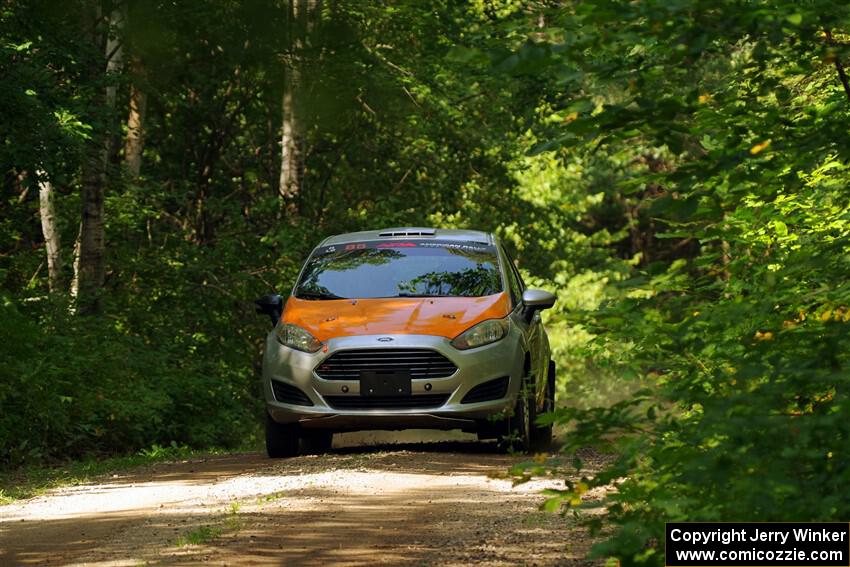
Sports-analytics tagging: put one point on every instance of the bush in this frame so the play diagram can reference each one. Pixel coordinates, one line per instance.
(80, 386)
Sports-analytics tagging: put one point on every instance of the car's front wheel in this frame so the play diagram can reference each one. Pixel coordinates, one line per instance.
(541, 435)
(518, 425)
(281, 439)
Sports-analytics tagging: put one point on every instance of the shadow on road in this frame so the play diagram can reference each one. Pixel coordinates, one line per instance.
(369, 500)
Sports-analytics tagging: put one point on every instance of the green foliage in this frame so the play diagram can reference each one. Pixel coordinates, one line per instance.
(393, 133)
(84, 386)
(199, 536)
(44, 119)
(674, 171)
(723, 120)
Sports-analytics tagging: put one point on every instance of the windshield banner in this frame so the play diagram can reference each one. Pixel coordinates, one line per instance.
(379, 244)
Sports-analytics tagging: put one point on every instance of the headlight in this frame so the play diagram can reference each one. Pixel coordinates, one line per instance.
(295, 337)
(483, 333)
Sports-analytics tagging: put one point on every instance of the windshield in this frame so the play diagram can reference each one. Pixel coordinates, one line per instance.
(400, 269)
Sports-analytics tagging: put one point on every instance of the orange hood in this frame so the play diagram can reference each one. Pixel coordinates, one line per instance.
(442, 316)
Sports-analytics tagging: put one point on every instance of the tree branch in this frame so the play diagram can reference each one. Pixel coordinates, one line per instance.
(838, 66)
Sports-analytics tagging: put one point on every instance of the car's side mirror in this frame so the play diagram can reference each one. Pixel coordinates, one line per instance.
(536, 300)
(271, 305)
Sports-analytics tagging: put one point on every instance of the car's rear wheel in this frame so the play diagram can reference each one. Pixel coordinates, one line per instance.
(281, 439)
(541, 435)
(316, 441)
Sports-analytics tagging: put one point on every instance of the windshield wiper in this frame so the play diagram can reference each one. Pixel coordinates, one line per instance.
(317, 295)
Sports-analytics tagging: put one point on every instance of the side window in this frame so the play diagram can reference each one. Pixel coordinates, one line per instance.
(514, 280)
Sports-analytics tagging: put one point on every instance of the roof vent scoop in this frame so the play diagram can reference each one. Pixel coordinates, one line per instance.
(404, 232)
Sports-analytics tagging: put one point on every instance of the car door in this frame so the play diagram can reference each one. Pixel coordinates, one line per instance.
(537, 342)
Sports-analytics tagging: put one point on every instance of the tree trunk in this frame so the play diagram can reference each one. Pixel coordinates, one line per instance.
(303, 13)
(292, 142)
(51, 234)
(135, 142)
(89, 268)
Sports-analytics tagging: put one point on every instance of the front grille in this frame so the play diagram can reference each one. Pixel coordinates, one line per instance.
(490, 390)
(421, 363)
(387, 402)
(289, 394)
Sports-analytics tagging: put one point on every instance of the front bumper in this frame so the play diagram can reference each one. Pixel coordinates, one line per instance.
(474, 366)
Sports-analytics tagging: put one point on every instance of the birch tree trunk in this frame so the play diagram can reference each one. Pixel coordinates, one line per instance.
(292, 142)
(89, 268)
(303, 14)
(51, 234)
(134, 144)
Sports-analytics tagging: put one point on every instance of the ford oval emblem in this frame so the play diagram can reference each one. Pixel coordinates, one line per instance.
(385, 339)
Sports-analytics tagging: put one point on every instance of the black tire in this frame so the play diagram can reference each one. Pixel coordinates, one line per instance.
(281, 439)
(316, 441)
(517, 436)
(541, 435)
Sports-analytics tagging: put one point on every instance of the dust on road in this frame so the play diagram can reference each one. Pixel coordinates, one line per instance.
(431, 503)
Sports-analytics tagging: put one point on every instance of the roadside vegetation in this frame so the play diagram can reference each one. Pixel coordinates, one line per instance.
(35, 479)
(676, 171)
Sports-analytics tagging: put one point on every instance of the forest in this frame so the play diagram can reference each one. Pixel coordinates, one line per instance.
(674, 170)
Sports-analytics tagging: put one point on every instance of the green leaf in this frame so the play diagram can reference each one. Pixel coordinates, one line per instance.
(552, 504)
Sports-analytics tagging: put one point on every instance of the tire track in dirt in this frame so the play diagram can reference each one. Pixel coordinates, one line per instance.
(422, 504)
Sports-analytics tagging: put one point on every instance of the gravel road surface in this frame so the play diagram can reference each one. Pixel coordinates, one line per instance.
(413, 503)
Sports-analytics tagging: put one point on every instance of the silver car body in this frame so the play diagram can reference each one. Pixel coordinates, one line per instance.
(523, 352)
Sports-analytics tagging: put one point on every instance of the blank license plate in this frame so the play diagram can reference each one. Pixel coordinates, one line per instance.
(384, 383)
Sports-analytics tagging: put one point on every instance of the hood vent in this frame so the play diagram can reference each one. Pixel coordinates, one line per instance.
(406, 232)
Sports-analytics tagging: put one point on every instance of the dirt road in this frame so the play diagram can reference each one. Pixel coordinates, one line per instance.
(414, 503)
